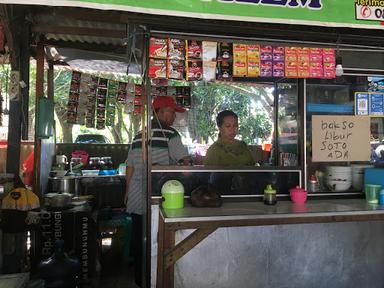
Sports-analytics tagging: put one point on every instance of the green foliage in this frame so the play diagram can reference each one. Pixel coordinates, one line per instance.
(209, 100)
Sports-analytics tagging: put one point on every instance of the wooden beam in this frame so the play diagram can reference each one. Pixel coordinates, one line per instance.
(107, 33)
(186, 245)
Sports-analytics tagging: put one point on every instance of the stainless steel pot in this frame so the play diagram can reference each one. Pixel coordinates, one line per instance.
(66, 184)
(58, 200)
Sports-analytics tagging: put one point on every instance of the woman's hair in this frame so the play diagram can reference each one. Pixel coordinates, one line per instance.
(220, 117)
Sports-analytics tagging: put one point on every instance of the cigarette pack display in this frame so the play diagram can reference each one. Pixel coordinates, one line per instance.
(224, 51)
(194, 70)
(176, 49)
(157, 68)
(362, 103)
(209, 51)
(194, 49)
(224, 70)
(158, 48)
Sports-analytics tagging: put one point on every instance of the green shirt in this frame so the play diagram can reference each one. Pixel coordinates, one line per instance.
(223, 153)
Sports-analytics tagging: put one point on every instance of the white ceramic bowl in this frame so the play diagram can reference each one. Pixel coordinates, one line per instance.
(338, 186)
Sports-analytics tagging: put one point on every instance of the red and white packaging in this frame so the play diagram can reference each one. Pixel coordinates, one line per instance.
(158, 48)
(157, 68)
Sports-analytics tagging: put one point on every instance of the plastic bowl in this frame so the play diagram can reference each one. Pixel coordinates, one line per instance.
(298, 197)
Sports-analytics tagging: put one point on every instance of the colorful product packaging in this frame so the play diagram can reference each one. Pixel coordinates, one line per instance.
(194, 70)
(253, 60)
(175, 69)
(224, 70)
(176, 49)
(157, 68)
(194, 49)
(303, 62)
(329, 62)
(224, 51)
(239, 60)
(291, 62)
(209, 51)
(158, 48)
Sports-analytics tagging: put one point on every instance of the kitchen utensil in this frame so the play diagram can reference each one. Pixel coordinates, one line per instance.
(66, 184)
(58, 200)
(298, 195)
(172, 193)
(61, 159)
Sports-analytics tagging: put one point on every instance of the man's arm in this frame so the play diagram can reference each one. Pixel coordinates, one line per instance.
(128, 175)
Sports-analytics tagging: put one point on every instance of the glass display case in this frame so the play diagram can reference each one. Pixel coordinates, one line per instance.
(331, 97)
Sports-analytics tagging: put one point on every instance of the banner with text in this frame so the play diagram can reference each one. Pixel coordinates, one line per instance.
(340, 13)
(340, 138)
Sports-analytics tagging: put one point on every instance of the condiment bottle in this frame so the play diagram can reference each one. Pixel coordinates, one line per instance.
(313, 185)
(270, 195)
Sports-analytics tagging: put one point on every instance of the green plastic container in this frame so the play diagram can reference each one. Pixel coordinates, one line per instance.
(172, 194)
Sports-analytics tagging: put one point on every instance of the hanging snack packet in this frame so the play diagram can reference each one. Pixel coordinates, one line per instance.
(194, 49)
(176, 49)
(176, 69)
(157, 68)
(194, 70)
(224, 70)
(158, 48)
(224, 51)
(209, 51)
(239, 60)
(209, 70)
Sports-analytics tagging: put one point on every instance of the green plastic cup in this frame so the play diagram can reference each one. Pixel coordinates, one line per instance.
(372, 193)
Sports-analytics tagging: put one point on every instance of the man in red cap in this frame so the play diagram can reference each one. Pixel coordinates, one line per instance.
(166, 149)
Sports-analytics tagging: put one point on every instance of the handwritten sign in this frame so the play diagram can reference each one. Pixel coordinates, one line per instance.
(340, 138)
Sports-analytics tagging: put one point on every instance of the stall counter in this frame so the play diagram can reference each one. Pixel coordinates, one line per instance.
(234, 214)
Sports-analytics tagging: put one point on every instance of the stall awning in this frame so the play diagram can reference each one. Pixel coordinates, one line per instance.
(331, 13)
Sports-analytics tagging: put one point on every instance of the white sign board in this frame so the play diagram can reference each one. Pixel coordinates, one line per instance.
(340, 138)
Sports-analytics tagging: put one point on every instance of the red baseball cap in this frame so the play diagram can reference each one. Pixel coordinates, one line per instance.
(167, 101)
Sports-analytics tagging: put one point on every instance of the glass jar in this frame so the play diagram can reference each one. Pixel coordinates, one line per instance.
(94, 163)
(269, 195)
(106, 163)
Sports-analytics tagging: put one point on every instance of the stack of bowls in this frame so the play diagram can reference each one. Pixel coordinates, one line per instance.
(338, 178)
(358, 175)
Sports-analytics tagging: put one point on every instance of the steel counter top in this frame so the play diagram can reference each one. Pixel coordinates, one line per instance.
(353, 209)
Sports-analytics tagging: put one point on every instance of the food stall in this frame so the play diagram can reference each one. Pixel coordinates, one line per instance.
(291, 76)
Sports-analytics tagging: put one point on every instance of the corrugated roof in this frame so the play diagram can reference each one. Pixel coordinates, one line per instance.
(51, 21)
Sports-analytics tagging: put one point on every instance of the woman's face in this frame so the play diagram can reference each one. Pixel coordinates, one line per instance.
(229, 128)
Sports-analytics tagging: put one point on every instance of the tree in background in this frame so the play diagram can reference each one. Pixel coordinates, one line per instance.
(210, 99)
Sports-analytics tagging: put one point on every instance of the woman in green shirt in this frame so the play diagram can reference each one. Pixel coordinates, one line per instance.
(228, 151)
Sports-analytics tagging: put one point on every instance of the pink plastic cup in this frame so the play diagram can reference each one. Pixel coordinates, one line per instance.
(298, 195)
